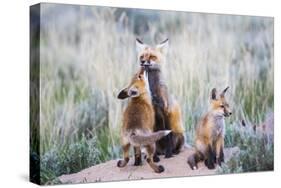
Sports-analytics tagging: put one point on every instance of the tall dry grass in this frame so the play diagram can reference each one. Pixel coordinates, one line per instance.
(88, 55)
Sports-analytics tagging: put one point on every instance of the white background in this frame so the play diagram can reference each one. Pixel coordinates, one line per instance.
(14, 92)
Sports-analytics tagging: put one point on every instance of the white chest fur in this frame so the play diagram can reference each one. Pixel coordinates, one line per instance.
(219, 127)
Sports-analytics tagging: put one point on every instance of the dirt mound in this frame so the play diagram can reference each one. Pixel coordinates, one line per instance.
(174, 167)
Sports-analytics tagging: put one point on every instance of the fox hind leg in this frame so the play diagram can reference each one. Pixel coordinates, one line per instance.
(150, 152)
(122, 163)
(137, 151)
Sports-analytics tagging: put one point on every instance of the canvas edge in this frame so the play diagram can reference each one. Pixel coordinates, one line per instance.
(34, 95)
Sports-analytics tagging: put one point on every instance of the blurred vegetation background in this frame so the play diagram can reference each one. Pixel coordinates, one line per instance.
(87, 54)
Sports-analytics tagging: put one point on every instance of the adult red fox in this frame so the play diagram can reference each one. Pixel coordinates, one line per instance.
(167, 110)
(138, 123)
(209, 139)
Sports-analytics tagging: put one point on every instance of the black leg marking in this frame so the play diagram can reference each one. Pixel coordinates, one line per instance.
(137, 152)
(210, 161)
(178, 141)
(176, 151)
(137, 161)
(169, 147)
(158, 153)
(215, 157)
(221, 156)
(156, 159)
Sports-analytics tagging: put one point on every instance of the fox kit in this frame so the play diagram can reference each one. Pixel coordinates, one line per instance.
(138, 123)
(209, 139)
(167, 110)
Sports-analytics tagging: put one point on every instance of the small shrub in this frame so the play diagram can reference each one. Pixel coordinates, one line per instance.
(256, 152)
(69, 159)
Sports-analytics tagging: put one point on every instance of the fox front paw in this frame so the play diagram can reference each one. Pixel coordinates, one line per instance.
(210, 164)
(168, 154)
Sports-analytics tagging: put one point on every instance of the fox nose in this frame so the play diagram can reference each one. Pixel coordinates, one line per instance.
(146, 63)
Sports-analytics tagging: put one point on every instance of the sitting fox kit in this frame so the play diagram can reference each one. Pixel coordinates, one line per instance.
(209, 139)
(167, 110)
(138, 123)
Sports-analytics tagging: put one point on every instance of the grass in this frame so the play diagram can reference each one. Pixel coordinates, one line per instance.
(88, 55)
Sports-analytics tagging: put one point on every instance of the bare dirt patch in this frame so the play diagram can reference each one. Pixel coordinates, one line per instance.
(174, 167)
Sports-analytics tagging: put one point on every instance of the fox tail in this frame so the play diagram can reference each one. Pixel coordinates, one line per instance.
(148, 138)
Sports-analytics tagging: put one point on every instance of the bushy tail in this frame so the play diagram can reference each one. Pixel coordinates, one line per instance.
(149, 138)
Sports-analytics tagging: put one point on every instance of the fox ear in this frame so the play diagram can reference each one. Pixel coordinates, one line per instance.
(140, 46)
(123, 94)
(224, 91)
(163, 46)
(214, 94)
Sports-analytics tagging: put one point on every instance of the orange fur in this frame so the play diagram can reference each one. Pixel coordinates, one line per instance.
(168, 111)
(209, 138)
(174, 114)
(138, 123)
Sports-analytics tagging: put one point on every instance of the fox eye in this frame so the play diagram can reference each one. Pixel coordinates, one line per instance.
(222, 106)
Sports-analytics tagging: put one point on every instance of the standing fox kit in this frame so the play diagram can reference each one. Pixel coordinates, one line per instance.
(167, 110)
(209, 139)
(138, 123)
